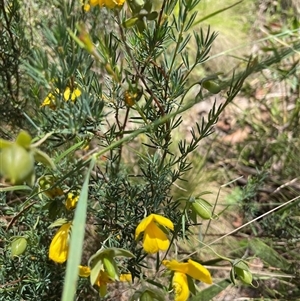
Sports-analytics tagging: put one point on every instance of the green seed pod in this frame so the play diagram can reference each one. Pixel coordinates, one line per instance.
(18, 246)
(17, 164)
(202, 209)
(211, 86)
(242, 271)
(110, 267)
(245, 276)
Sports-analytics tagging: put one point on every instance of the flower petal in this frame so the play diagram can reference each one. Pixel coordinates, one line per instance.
(113, 3)
(143, 225)
(58, 250)
(125, 277)
(149, 219)
(71, 201)
(102, 281)
(155, 239)
(94, 2)
(199, 272)
(176, 266)
(67, 93)
(181, 287)
(49, 101)
(86, 7)
(84, 271)
(163, 221)
(76, 93)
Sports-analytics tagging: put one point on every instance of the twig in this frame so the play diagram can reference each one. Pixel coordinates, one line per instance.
(19, 214)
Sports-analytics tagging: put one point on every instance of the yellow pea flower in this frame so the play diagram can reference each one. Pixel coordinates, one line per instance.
(50, 100)
(59, 246)
(84, 271)
(154, 238)
(107, 3)
(103, 278)
(180, 286)
(191, 268)
(101, 282)
(181, 269)
(68, 94)
(86, 6)
(125, 277)
(71, 201)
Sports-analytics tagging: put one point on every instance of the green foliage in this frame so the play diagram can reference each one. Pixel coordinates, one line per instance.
(268, 157)
(14, 47)
(104, 91)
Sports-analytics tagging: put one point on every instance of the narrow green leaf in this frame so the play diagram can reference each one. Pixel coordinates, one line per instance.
(232, 276)
(96, 267)
(114, 252)
(216, 12)
(15, 188)
(76, 242)
(268, 254)
(43, 158)
(191, 285)
(58, 223)
(95, 257)
(190, 22)
(69, 150)
(183, 43)
(122, 253)
(212, 291)
(185, 59)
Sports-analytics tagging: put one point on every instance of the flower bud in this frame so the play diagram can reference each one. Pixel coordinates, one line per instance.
(242, 272)
(245, 276)
(211, 86)
(18, 246)
(202, 208)
(17, 163)
(131, 97)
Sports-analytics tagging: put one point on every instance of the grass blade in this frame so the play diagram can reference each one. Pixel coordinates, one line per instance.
(76, 241)
(216, 12)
